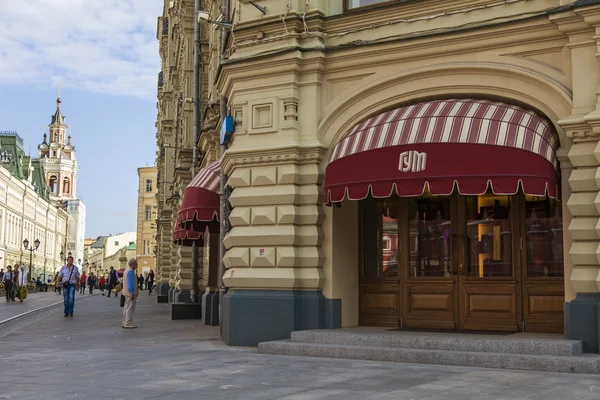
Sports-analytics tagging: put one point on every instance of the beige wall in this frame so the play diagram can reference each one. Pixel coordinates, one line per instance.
(291, 107)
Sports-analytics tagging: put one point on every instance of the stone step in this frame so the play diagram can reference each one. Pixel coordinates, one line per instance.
(586, 364)
(511, 344)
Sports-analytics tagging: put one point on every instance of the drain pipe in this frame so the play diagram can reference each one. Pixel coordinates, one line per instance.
(223, 113)
(197, 122)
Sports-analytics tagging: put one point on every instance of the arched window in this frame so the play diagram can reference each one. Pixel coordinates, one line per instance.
(66, 186)
(52, 182)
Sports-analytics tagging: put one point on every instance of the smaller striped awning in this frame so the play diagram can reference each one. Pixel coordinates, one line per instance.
(184, 237)
(200, 206)
(440, 146)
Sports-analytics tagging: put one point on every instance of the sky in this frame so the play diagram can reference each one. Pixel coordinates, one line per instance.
(104, 53)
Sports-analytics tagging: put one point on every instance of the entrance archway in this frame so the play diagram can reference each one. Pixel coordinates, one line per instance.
(467, 192)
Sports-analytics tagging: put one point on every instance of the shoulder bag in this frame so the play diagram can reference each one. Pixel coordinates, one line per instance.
(67, 284)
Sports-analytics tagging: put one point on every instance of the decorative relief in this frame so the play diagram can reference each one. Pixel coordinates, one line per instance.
(262, 116)
(238, 115)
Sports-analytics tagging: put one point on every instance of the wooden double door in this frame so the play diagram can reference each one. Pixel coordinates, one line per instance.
(486, 263)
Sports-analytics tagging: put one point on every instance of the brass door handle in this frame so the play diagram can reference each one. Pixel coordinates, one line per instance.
(461, 269)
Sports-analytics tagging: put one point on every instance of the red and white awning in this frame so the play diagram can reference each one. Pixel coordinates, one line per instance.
(467, 144)
(200, 206)
(185, 237)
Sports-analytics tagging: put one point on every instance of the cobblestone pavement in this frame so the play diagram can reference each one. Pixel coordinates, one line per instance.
(90, 356)
(32, 302)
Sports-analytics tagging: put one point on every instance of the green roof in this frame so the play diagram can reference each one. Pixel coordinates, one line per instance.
(131, 247)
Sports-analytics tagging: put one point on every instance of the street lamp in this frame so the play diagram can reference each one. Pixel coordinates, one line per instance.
(62, 256)
(35, 246)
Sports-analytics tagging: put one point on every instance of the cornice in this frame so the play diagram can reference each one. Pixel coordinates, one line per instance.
(285, 154)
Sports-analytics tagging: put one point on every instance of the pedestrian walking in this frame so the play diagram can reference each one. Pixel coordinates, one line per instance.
(141, 281)
(83, 283)
(57, 284)
(70, 278)
(150, 280)
(102, 284)
(8, 280)
(130, 290)
(22, 282)
(91, 282)
(113, 279)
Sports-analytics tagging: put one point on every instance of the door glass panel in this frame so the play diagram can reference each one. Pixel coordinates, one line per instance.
(430, 237)
(488, 244)
(544, 237)
(380, 238)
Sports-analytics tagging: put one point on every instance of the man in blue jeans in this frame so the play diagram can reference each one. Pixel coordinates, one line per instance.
(70, 278)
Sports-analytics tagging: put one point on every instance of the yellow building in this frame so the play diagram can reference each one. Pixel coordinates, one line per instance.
(146, 219)
(424, 164)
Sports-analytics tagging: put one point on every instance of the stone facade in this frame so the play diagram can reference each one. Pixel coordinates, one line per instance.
(297, 77)
(175, 136)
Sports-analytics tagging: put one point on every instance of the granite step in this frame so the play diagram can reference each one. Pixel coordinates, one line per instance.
(585, 364)
(549, 345)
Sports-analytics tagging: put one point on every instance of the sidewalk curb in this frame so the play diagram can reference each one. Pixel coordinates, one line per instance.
(37, 310)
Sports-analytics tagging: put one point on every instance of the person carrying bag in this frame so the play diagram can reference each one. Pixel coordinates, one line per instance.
(70, 278)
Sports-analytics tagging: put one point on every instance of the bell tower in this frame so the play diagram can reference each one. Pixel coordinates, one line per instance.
(57, 156)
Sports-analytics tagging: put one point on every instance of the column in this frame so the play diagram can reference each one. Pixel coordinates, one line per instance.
(274, 258)
(183, 276)
(163, 262)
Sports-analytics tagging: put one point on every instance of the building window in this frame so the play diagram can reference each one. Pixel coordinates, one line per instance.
(148, 185)
(53, 153)
(146, 247)
(148, 213)
(116, 243)
(66, 186)
(53, 185)
(362, 3)
(380, 239)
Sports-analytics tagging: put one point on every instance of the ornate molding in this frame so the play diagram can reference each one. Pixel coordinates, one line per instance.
(296, 154)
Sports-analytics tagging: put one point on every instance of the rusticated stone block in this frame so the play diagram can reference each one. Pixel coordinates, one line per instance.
(584, 228)
(300, 215)
(274, 278)
(240, 177)
(583, 154)
(261, 235)
(582, 204)
(261, 196)
(262, 176)
(584, 253)
(237, 257)
(240, 216)
(262, 256)
(584, 279)
(584, 179)
(264, 215)
(299, 257)
(299, 174)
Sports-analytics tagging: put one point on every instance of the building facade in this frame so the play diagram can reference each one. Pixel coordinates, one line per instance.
(175, 141)
(412, 164)
(26, 212)
(146, 219)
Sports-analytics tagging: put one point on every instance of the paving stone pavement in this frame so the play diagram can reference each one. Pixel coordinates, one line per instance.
(32, 302)
(90, 356)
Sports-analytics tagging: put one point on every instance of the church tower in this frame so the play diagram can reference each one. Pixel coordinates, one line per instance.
(57, 157)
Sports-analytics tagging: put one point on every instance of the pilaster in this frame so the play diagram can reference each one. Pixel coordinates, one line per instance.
(275, 239)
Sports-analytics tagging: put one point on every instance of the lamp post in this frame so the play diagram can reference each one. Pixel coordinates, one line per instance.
(35, 246)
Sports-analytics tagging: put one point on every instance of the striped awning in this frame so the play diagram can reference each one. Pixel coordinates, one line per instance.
(200, 206)
(185, 237)
(463, 144)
